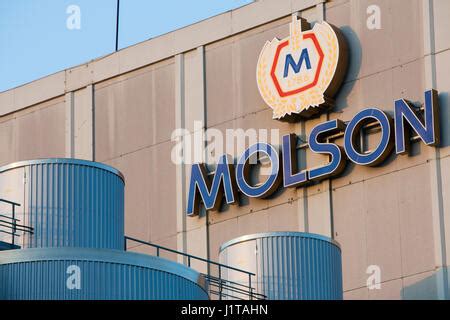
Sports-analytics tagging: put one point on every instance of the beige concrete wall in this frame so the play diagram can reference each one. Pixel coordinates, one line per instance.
(134, 119)
(122, 109)
(391, 204)
(36, 132)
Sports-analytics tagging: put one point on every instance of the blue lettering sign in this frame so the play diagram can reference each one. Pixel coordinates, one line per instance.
(352, 134)
(291, 176)
(429, 131)
(296, 66)
(211, 193)
(243, 171)
(337, 161)
(228, 182)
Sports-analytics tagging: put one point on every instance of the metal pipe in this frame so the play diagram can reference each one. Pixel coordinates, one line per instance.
(10, 202)
(117, 24)
(250, 286)
(220, 283)
(14, 228)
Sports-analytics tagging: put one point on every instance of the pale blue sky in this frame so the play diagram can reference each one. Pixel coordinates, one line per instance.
(35, 41)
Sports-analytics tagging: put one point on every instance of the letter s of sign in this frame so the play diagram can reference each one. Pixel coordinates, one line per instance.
(74, 279)
(336, 154)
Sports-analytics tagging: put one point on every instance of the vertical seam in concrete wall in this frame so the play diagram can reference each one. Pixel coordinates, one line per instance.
(436, 172)
(320, 8)
(69, 131)
(201, 53)
(303, 201)
(91, 94)
(330, 197)
(305, 189)
(321, 16)
(180, 168)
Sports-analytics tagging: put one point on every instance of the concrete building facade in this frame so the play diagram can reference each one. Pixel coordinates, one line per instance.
(122, 109)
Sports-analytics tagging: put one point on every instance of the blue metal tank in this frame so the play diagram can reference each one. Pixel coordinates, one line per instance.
(68, 202)
(288, 265)
(85, 274)
(73, 249)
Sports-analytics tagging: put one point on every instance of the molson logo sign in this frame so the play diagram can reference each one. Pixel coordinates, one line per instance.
(298, 77)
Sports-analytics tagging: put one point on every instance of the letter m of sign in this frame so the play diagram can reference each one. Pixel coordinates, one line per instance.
(211, 192)
(290, 62)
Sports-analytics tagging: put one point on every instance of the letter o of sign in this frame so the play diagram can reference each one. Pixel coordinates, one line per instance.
(243, 171)
(380, 153)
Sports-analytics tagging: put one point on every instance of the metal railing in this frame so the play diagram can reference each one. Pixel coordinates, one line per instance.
(9, 224)
(218, 286)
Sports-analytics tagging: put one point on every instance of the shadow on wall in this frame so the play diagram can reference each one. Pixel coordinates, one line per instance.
(431, 288)
(354, 65)
(444, 119)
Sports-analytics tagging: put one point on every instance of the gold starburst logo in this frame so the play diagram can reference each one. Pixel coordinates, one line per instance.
(298, 76)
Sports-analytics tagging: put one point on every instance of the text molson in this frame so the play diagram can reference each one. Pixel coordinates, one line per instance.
(230, 178)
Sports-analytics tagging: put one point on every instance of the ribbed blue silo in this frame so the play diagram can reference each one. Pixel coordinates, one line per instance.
(69, 203)
(288, 265)
(41, 273)
(75, 211)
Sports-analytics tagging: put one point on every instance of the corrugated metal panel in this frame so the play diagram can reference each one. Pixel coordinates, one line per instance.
(73, 203)
(76, 210)
(294, 266)
(104, 274)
